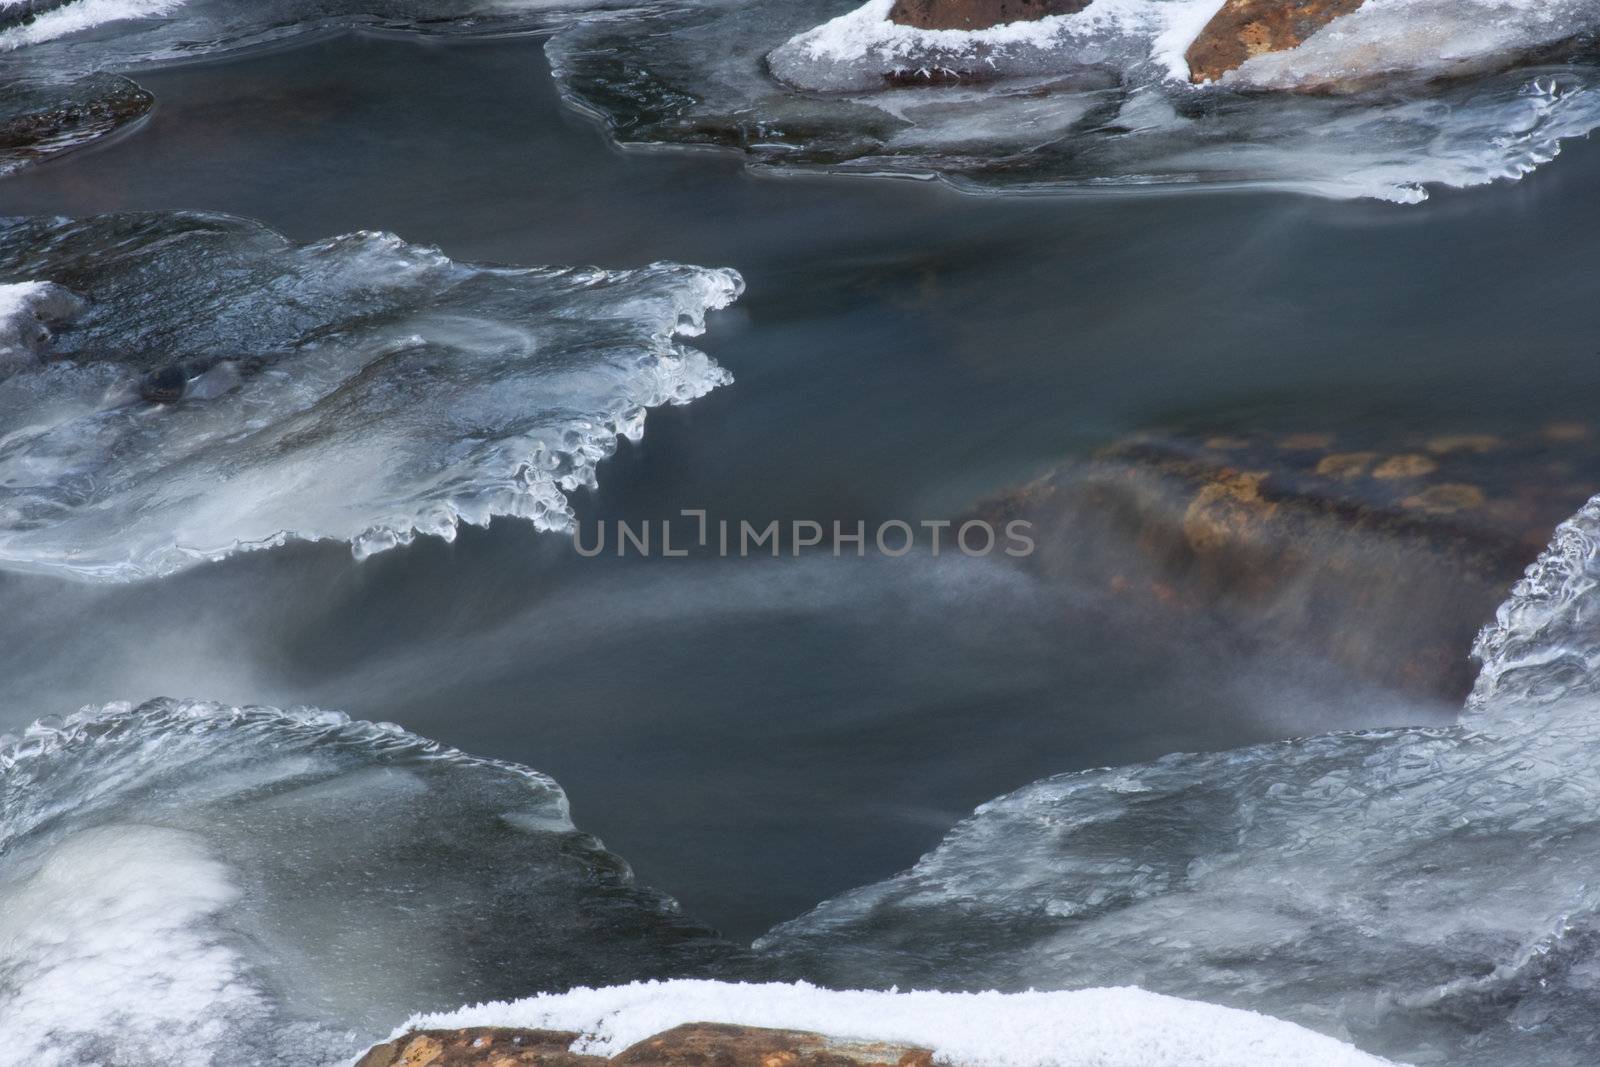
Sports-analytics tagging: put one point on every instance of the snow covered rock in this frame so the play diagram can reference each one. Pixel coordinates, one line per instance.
(691, 1045)
(977, 14)
(643, 1024)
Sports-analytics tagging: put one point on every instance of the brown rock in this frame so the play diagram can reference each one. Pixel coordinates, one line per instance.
(479, 1047)
(691, 1045)
(1446, 499)
(1471, 442)
(977, 14)
(1345, 465)
(1226, 511)
(721, 1045)
(1411, 465)
(1245, 28)
(1566, 432)
(1387, 578)
(1307, 442)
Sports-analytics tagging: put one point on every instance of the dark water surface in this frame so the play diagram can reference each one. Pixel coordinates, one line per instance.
(756, 735)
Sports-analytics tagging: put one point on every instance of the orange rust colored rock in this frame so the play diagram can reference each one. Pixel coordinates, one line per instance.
(1386, 578)
(479, 1047)
(1446, 499)
(691, 1045)
(707, 1044)
(1480, 443)
(1408, 466)
(977, 14)
(1246, 28)
(1227, 511)
(1345, 465)
(1566, 432)
(1306, 442)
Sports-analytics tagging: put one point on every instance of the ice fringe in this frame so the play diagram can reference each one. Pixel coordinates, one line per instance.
(360, 389)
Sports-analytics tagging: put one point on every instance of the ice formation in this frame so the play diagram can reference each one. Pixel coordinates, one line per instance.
(227, 389)
(1425, 894)
(61, 60)
(195, 884)
(1100, 98)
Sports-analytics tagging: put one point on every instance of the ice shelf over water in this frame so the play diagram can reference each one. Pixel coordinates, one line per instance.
(1102, 97)
(225, 389)
(1432, 93)
(193, 884)
(62, 61)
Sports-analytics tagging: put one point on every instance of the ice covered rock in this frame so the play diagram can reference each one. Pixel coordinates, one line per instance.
(45, 117)
(870, 48)
(1353, 45)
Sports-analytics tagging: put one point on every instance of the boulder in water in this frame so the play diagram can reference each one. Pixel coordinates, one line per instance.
(1382, 555)
(164, 386)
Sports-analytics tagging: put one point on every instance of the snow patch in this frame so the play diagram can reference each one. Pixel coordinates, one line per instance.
(110, 953)
(859, 49)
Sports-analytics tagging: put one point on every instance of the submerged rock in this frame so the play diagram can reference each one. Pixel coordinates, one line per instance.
(164, 386)
(977, 14)
(691, 1045)
(43, 119)
(1247, 28)
(1382, 556)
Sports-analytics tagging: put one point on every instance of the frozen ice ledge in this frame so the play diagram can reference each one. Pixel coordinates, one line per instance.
(175, 388)
(61, 61)
(1393, 96)
(197, 885)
